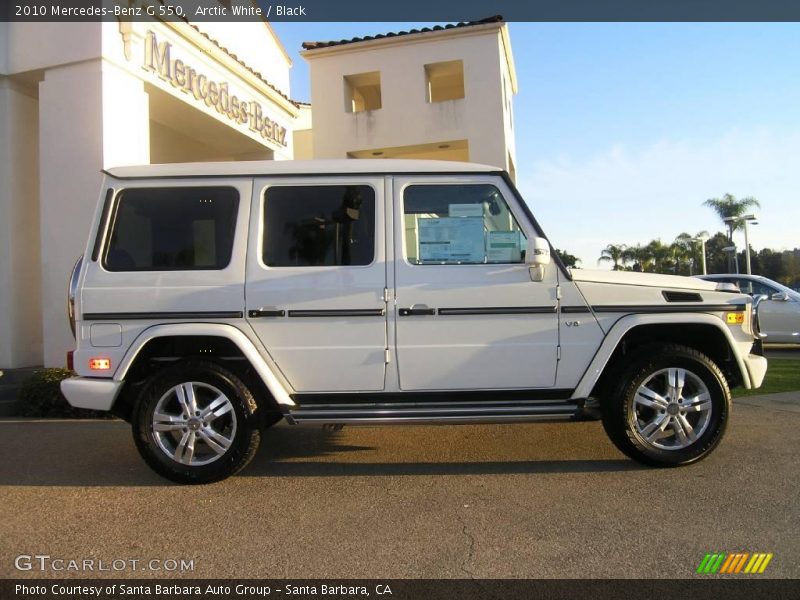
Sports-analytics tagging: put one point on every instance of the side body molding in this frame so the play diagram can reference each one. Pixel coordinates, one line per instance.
(274, 385)
(626, 323)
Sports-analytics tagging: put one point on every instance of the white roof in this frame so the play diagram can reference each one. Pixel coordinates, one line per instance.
(299, 167)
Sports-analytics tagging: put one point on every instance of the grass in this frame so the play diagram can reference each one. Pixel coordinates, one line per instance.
(783, 375)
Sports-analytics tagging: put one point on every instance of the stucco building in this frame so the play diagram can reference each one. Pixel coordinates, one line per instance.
(439, 93)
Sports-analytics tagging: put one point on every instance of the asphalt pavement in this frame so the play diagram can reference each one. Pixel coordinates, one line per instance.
(525, 501)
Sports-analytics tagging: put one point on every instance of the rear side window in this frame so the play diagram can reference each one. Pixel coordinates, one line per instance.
(173, 229)
(319, 226)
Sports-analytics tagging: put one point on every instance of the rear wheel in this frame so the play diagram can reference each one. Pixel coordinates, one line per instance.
(669, 408)
(195, 423)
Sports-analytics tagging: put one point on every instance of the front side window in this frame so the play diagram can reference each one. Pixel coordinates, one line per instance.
(319, 226)
(460, 224)
(173, 229)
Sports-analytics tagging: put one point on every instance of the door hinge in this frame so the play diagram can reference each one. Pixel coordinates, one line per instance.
(386, 356)
(558, 352)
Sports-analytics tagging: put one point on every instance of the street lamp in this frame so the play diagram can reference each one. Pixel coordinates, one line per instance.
(732, 222)
(702, 239)
(732, 256)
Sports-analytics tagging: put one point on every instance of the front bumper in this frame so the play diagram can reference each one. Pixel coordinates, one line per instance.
(91, 392)
(756, 369)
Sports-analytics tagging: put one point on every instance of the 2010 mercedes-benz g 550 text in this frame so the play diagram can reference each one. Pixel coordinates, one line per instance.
(213, 300)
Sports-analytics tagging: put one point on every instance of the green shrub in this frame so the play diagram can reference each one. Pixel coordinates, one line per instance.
(41, 396)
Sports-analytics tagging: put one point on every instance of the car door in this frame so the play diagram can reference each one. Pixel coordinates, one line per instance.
(467, 315)
(779, 319)
(316, 274)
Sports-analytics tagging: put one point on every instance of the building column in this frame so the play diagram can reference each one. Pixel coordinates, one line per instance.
(20, 285)
(92, 116)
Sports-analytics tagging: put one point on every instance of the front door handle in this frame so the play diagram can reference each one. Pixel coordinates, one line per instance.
(417, 310)
(266, 312)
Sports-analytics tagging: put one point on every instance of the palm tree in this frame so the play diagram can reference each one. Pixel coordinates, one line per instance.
(640, 256)
(686, 247)
(661, 255)
(730, 206)
(614, 253)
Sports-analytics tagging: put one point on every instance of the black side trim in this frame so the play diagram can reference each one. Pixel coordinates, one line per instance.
(632, 308)
(356, 312)
(503, 310)
(154, 316)
(426, 397)
(671, 296)
(575, 309)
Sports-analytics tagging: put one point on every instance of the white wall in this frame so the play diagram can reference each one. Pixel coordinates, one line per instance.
(20, 304)
(406, 118)
(303, 135)
(36, 45)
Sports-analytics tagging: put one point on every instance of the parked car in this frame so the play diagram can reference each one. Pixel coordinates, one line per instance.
(779, 309)
(214, 300)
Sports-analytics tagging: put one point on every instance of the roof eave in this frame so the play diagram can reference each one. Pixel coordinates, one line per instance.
(422, 36)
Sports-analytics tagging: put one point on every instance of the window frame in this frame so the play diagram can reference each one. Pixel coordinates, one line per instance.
(111, 223)
(525, 227)
(262, 207)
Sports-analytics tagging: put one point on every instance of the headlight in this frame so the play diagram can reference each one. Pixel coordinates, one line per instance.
(72, 290)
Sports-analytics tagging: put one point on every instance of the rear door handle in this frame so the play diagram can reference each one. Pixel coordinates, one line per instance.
(266, 312)
(417, 310)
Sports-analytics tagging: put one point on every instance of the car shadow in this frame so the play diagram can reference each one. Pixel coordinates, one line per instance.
(102, 453)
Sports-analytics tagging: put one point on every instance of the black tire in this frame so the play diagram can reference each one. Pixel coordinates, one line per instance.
(625, 418)
(238, 426)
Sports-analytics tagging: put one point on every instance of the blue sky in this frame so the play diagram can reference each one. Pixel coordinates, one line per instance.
(623, 129)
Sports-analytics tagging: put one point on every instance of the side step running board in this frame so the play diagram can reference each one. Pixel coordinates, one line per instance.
(438, 413)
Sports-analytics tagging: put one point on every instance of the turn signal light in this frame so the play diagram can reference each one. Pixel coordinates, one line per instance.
(99, 364)
(736, 318)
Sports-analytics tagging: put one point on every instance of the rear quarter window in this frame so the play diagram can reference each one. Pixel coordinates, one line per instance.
(172, 229)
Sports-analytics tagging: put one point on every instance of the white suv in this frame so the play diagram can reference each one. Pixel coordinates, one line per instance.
(215, 299)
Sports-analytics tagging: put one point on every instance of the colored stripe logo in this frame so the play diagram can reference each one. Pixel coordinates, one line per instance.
(734, 563)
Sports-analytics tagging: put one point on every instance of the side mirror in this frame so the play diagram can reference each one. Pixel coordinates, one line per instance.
(780, 297)
(537, 257)
(537, 252)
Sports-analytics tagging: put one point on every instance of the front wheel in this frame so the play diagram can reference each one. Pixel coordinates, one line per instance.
(194, 423)
(669, 408)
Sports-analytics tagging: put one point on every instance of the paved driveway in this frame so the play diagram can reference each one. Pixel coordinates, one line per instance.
(539, 500)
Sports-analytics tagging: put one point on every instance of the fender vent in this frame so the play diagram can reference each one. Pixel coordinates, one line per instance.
(682, 296)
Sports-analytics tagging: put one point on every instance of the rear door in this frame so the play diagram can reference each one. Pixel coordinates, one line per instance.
(316, 273)
(467, 314)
